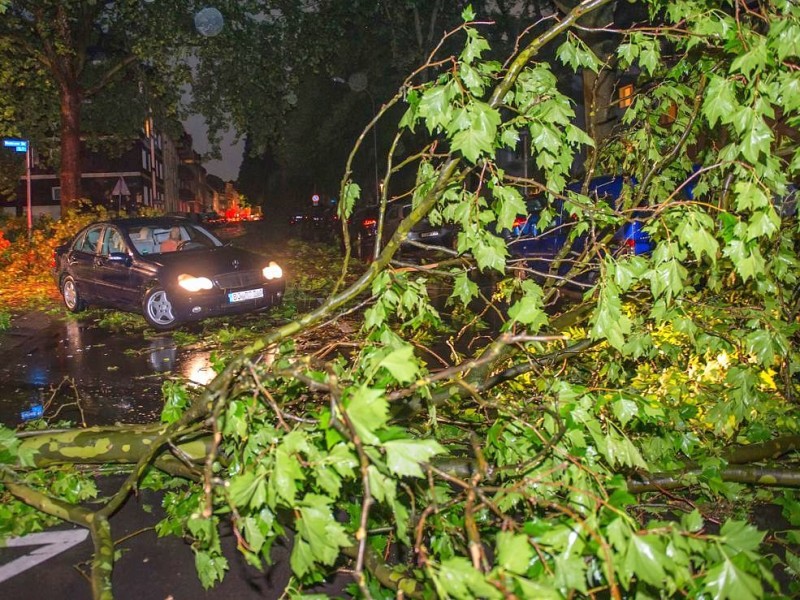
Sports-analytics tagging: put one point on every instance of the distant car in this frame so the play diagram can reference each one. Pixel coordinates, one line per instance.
(363, 227)
(122, 263)
(541, 246)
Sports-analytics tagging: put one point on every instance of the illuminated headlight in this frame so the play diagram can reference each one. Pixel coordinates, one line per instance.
(194, 284)
(273, 271)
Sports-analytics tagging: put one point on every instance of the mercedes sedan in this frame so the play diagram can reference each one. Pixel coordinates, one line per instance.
(168, 268)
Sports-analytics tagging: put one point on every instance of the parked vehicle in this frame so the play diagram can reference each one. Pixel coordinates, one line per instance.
(122, 263)
(424, 232)
(540, 246)
(363, 227)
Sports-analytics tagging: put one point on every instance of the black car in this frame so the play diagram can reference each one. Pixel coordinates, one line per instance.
(168, 268)
(363, 227)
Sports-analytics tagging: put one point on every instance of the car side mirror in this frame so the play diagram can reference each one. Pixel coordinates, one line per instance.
(121, 258)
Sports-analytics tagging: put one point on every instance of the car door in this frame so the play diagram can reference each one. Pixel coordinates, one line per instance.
(395, 213)
(80, 261)
(112, 269)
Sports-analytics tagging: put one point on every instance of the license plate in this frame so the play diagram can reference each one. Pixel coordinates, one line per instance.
(428, 234)
(246, 295)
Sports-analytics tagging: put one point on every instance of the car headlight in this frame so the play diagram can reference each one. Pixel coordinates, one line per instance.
(273, 271)
(194, 284)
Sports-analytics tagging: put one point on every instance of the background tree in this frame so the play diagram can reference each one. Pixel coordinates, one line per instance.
(380, 42)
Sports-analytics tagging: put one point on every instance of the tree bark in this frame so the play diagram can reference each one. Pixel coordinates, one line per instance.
(70, 172)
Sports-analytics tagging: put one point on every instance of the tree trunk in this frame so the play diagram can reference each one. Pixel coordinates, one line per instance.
(70, 146)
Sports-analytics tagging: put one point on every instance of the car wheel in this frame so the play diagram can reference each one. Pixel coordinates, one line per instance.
(158, 311)
(72, 299)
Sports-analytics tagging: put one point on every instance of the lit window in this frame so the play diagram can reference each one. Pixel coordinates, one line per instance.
(625, 95)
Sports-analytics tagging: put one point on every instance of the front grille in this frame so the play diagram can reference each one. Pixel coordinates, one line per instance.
(239, 279)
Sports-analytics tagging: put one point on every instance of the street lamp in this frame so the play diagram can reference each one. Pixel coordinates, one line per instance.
(358, 83)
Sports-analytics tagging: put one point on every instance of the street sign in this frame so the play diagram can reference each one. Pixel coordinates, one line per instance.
(17, 145)
(121, 189)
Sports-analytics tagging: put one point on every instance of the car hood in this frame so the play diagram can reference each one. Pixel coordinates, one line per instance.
(223, 259)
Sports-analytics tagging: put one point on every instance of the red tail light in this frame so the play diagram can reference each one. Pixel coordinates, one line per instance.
(519, 222)
(53, 261)
(369, 222)
(630, 243)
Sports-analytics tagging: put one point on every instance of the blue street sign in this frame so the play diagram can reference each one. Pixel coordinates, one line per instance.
(17, 145)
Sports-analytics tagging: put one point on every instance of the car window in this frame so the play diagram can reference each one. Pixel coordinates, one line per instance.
(192, 237)
(89, 241)
(112, 242)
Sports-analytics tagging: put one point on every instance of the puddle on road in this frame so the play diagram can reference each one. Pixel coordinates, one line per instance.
(117, 376)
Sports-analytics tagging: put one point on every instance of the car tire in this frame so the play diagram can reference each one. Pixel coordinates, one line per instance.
(72, 299)
(158, 310)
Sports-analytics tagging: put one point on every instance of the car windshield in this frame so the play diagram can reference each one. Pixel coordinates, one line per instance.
(158, 238)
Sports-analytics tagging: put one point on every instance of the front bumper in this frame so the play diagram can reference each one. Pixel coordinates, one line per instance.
(192, 306)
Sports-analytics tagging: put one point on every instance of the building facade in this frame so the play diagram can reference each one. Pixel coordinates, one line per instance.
(155, 172)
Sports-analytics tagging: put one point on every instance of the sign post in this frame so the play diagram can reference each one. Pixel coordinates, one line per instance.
(24, 146)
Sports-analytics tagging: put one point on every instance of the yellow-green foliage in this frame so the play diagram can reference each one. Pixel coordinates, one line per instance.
(26, 265)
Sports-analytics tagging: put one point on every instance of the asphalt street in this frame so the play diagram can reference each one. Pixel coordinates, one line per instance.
(148, 567)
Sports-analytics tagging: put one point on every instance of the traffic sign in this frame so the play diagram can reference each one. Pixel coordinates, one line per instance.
(17, 145)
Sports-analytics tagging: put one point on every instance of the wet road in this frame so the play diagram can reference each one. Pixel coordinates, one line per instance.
(53, 359)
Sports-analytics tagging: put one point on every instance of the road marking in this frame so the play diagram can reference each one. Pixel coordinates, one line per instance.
(50, 544)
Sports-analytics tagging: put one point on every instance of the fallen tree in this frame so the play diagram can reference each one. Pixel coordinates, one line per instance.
(511, 470)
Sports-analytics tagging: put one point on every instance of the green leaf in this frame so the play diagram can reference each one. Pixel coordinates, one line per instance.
(726, 580)
(740, 536)
(401, 363)
(434, 106)
(667, 278)
(608, 322)
(748, 263)
(286, 474)
(176, 399)
(210, 567)
(693, 231)
(317, 526)
(490, 252)
(544, 137)
(514, 552)
(464, 288)
(368, 411)
(475, 46)
(404, 457)
(246, 488)
(748, 195)
(457, 578)
(625, 410)
(646, 558)
(508, 206)
(575, 53)
(529, 309)
(719, 101)
(763, 223)
(478, 133)
(752, 60)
